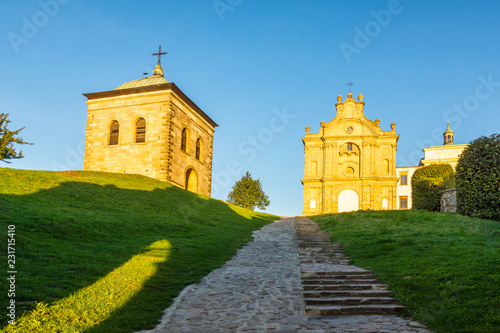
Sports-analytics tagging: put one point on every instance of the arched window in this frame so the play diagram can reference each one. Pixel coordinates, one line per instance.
(198, 149)
(114, 131)
(184, 139)
(140, 130)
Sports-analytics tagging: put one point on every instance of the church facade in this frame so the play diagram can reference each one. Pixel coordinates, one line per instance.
(350, 163)
(150, 127)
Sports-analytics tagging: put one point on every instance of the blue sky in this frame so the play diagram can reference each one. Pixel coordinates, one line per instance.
(263, 70)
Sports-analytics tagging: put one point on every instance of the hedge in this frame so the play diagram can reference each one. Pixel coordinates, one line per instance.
(427, 185)
(478, 179)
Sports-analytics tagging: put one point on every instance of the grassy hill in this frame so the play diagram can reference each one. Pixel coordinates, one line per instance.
(444, 267)
(105, 252)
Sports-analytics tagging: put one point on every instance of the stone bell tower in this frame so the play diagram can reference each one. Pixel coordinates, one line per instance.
(150, 127)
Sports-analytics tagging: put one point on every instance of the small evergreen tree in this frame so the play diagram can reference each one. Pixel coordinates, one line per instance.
(248, 193)
(7, 140)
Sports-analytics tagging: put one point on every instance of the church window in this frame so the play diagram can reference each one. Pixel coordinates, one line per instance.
(114, 131)
(184, 139)
(403, 180)
(349, 146)
(198, 149)
(140, 130)
(403, 202)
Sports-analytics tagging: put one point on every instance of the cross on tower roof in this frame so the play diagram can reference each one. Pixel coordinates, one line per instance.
(159, 54)
(350, 84)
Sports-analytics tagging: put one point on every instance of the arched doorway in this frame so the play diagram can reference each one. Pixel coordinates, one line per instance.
(348, 201)
(191, 180)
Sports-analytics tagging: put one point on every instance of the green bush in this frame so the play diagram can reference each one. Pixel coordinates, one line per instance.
(427, 184)
(478, 179)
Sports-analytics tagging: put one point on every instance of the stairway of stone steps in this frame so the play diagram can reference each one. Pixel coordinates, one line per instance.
(333, 287)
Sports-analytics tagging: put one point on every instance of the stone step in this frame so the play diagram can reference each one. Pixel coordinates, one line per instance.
(319, 244)
(319, 248)
(319, 251)
(346, 293)
(344, 287)
(340, 276)
(313, 235)
(331, 261)
(329, 273)
(319, 258)
(337, 310)
(339, 281)
(349, 300)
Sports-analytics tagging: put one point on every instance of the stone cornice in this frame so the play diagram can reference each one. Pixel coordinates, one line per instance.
(158, 87)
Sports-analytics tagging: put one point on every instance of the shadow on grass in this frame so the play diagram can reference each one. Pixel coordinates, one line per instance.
(71, 235)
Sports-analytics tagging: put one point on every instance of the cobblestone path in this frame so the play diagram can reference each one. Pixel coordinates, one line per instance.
(260, 290)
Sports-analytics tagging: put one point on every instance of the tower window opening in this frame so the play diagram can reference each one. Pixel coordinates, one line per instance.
(114, 131)
(140, 130)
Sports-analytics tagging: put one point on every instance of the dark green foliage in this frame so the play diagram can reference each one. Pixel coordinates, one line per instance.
(248, 193)
(7, 140)
(427, 184)
(478, 179)
(443, 267)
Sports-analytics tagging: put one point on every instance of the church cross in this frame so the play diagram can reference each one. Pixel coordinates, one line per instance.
(159, 54)
(350, 84)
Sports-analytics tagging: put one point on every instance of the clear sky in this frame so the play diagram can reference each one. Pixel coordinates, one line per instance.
(262, 69)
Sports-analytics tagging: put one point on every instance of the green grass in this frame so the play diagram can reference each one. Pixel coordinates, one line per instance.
(101, 252)
(444, 267)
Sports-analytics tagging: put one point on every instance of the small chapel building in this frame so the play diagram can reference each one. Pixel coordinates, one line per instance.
(150, 127)
(350, 163)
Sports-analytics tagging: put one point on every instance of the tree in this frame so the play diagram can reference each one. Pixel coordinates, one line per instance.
(248, 193)
(478, 179)
(427, 185)
(7, 140)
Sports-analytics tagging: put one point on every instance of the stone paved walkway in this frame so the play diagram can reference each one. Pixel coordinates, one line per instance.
(260, 290)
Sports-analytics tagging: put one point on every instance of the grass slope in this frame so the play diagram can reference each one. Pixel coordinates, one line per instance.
(101, 252)
(444, 267)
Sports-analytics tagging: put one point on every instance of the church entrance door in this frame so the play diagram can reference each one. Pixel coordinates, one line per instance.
(348, 201)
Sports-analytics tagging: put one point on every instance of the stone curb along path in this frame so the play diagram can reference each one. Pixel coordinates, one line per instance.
(263, 288)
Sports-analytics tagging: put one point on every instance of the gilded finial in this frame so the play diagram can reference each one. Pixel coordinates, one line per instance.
(308, 129)
(360, 97)
(349, 95)
(393, 126)
(339, 98)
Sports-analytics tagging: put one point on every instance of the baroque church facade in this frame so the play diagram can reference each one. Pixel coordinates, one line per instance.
(150, 127)
(350, 163)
